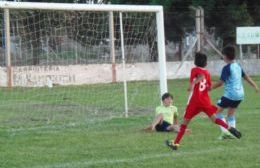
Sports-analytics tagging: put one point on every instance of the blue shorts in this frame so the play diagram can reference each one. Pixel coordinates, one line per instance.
(228, 103)
(162, 127)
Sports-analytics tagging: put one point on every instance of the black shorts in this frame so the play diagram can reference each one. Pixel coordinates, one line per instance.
(162, 127)
(228, 103)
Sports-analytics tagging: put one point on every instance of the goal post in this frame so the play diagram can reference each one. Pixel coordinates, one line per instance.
(109, 8)
(44, 41)
(79, 7)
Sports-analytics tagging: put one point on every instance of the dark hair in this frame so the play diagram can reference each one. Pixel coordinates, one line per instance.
(229, 52)
(166, 95)
(200, 60)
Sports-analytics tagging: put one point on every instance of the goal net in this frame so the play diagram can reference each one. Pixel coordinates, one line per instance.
(72, 63)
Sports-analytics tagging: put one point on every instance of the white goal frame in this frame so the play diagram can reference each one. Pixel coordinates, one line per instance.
(6, 6)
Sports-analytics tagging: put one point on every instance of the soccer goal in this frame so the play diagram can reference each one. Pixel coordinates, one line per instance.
(89, 60)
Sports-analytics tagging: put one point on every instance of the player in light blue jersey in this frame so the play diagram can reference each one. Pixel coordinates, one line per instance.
(231, 77)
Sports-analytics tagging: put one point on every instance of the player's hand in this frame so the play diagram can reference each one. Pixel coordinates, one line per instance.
(153, 128)
(190, 88)
(148, 129)
(257, 89)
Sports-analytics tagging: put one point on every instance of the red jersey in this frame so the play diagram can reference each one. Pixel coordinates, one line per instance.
(199, 94)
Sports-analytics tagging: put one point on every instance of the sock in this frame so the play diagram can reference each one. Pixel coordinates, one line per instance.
(180, 134)
(221, 123)
(231, 121)
(221, 116)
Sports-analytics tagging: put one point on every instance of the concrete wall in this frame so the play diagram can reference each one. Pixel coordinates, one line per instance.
(251, 66)
(38, 76)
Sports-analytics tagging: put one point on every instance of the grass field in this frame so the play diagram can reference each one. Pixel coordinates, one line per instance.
(83, 126)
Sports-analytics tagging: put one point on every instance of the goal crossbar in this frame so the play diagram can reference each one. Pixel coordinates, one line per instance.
(79, 7)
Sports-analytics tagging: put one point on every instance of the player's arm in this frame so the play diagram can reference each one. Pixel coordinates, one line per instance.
(223, 77)
(217, 84)
(157, 119)
(175, 120)
(251, 82)
(175, 126)
(196, 80)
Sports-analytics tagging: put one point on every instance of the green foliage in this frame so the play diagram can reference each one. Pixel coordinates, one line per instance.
(224, 15)
(241, 15)
(166, 3)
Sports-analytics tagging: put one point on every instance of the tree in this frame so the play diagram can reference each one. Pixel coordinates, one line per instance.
(225, 16)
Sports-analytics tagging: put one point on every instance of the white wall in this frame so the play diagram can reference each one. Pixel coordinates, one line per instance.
(251, 67)
(37, 76)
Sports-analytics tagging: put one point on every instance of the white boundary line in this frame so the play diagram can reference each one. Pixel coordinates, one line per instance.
(134, 159)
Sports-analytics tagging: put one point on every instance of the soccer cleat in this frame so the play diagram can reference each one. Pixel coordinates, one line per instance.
(235, 132)
(171, 145)
(226, 135)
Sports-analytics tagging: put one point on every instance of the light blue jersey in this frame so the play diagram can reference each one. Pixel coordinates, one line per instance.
(232, 76)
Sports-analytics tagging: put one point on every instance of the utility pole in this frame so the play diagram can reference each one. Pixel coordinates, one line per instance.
(201, 38)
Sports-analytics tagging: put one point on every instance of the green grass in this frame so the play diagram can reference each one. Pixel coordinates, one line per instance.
(83, 126)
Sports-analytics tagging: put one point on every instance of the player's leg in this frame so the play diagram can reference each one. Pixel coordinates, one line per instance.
(222, 104)
(176, 128)
(231, 113)
(210, 111)
(157, 120)
(190, 112)
(231, 120)
(218, 121)
(225, 134)
(220, 115)
(182, 130)
(174, 144)
(163, 127)
(232, 130)
(173, 127)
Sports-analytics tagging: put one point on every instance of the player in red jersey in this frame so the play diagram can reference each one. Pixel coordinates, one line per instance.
(199, 100)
